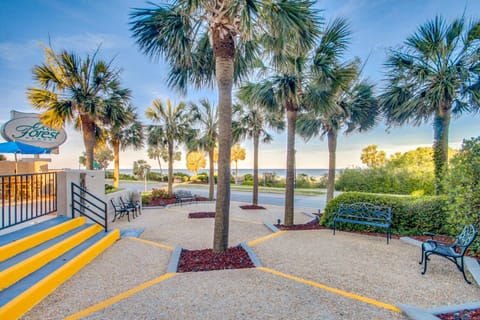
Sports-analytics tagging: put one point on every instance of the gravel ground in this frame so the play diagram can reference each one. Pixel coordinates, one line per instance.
(362, 265)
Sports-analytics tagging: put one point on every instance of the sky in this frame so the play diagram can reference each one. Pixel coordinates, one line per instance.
(82, 25)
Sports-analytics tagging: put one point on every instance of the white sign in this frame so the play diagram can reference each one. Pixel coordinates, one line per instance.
(27, 128)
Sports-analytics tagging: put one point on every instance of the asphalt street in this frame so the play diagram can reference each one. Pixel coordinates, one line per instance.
(301, 201)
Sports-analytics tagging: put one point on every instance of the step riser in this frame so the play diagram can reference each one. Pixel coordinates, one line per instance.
(14, 248)
(30, 265)
(25, 301)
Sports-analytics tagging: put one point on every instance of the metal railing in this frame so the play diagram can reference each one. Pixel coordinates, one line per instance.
(27, 196)
(89, 205)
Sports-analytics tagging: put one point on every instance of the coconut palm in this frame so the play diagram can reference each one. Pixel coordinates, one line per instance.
(175, 123)
(75, 91)
(218, 40)
(252, 122)
(206, 116)
(434, 75)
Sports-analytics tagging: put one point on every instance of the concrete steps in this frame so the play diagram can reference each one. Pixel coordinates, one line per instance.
(34, 261)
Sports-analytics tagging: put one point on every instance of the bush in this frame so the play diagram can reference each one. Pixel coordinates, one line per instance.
(385, 180)
(410, 215)
(160, 193)
(463, 185)
(108, 188)
(201, 177)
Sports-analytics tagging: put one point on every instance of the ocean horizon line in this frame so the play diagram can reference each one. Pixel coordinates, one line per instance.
(277, 171)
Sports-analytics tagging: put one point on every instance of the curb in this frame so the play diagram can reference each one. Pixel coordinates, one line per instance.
(251, 254)
(174, 260)
(271, 227)
(415, 313)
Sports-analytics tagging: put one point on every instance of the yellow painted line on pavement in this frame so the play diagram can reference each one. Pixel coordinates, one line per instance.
(153, 243)
(350, 295)
(247, 221)
(106, 303)
(262, 239)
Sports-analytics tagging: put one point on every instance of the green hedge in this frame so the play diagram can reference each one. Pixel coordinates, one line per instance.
(410, 215)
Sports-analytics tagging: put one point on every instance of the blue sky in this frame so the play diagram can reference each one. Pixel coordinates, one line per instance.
(82, 25)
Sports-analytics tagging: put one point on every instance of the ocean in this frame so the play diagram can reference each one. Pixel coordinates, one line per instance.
(278, 172)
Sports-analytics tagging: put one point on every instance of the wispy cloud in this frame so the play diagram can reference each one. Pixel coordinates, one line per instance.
(20, 51)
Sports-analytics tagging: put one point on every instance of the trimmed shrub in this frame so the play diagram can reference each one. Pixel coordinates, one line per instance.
(410, 215)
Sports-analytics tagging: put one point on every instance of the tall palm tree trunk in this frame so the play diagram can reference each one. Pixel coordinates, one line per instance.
(332, 155)
(256, 139)
(440, 146)
(88, 129)
(116, 162)
(170, 168)
(290, 179)
(224, 75)
(211, 175)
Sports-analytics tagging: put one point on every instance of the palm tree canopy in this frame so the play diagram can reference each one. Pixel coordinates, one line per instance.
(206, 117)
(71, 86)
(436, 70)
(254, 121)
(173, 122)
(183, 32)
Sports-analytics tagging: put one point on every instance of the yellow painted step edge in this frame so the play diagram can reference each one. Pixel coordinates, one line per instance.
(30, 265)
(24, 302)
(12, 249)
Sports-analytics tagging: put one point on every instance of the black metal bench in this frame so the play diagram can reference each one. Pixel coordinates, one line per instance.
(451, 251)
(134, 205)
(120, 210)
(182, 196)
(365, 214)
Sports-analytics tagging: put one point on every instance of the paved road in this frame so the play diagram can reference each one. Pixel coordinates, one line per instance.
(301, 201)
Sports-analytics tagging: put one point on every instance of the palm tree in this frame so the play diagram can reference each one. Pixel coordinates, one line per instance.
(350, 102)
(207, 118)
(217, 40)
(175, 124)
(253, 122)
(436, 73)
(356, 110)
(125, 130)
(158, 152)
(76, 91)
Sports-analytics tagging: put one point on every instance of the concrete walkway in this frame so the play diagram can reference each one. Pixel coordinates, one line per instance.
(304, 274)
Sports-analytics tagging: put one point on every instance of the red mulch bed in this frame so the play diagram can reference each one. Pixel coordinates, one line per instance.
(464, 314)
(199, 215)
(251, 207)
(207, 260)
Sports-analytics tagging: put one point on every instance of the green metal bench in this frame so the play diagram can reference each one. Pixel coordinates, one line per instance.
(451, 251)
(365, 214)
(182, 196)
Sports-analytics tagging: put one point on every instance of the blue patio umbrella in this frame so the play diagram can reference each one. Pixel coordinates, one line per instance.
(21, 148)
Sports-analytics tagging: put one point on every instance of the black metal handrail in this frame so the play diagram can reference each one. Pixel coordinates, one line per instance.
(24, 197)
(89, 205)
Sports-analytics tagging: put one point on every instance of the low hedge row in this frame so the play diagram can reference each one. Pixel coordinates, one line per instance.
(410, 215)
